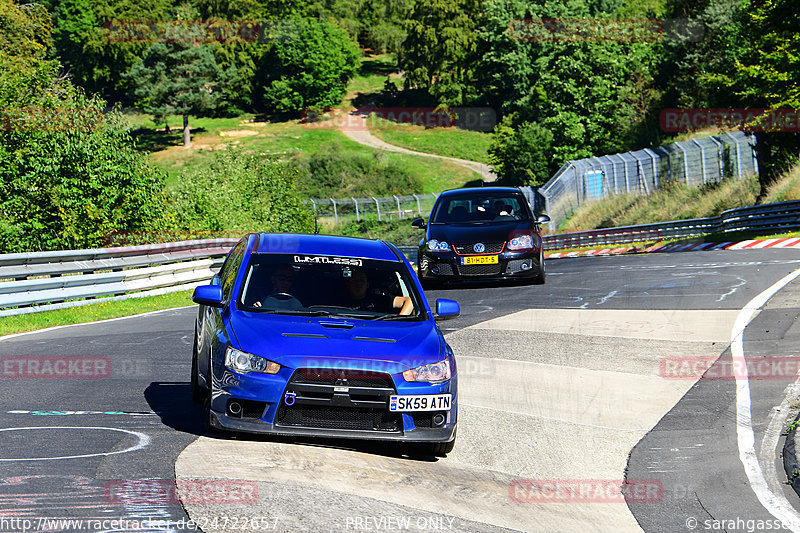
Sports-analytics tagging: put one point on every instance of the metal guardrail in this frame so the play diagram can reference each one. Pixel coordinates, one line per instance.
(771, 217)
(41, 281)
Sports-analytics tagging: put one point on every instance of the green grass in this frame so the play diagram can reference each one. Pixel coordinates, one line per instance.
(373, 73)
(93, 312)
(450, 142)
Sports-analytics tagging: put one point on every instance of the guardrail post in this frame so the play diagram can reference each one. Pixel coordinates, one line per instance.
(753, 153)
(378, 205)
(335, 212)
(738, 155)
(315, 207)
(355, 203)
(702, 160)
(419, 207)
(399, 214)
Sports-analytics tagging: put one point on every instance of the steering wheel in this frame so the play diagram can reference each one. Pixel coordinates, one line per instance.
(281, 296)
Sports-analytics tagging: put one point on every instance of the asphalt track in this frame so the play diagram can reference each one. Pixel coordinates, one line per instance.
(560, 383)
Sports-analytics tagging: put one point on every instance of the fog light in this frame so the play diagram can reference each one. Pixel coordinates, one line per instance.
(435, 270)
(526, 265)
(438, 419)
(235, 409)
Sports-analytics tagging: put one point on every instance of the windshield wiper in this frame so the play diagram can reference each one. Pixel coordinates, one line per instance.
(393, 316)
(297, 312)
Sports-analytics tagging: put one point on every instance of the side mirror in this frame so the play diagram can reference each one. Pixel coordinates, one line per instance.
(210, 295)
(542, 219)
(418, 223)
(447, 309)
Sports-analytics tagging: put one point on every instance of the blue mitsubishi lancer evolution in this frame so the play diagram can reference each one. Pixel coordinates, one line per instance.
(317, 335)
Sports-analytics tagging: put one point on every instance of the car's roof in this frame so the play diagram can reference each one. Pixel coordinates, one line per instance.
(334, 245)
(480, 191)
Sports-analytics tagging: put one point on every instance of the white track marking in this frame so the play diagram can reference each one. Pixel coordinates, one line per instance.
(776, 504)
(93, 322)
(144, 440)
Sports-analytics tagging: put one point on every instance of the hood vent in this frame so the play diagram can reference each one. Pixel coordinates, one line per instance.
(305, 335)
(337, 325)
(373, 339)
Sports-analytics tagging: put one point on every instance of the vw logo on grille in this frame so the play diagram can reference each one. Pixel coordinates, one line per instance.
(479, 248)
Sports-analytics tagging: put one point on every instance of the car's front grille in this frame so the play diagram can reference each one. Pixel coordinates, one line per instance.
(479, 270)
(339, 418)
(339, 399)
(332, 376)
(490, 248)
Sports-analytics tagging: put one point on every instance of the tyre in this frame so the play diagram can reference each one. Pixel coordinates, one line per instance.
(198, 393)
(539, 278)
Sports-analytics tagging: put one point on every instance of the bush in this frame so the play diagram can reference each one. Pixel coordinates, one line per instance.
(398, 232)
(309, 65)
(240, 192)
(521, 155)
(332, 173)
(69, 174)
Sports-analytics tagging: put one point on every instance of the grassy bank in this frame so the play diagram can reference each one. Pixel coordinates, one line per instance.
(93, 312)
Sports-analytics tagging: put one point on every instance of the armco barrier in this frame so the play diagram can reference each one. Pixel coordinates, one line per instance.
(39, 281)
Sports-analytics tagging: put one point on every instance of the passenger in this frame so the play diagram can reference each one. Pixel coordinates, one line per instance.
(359, 296)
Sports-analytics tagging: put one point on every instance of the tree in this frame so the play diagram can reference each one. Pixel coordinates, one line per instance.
(308, 66)
(521, 155)
(178, 78)
(439, 53)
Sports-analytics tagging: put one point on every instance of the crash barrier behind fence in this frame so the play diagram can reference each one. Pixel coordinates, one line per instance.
(694, 162)
(768, 218)
(40, 281)
(382, 208)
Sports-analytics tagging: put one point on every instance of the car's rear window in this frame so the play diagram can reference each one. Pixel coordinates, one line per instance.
(480, 209)
(328, 285)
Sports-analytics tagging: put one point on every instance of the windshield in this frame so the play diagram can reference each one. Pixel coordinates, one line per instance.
(329, 286)
(480, 209)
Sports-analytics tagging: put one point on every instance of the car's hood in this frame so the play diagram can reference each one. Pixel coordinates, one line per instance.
(297, 341)
(470, 233)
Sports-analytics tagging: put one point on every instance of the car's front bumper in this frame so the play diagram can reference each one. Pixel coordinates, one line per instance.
(316, 413)
(448, 266)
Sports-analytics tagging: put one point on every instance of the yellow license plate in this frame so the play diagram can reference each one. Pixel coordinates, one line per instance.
(479, 260)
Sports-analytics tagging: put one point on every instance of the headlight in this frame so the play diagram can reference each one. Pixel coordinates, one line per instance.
(244, 362)
(436, 246)
(433, 373)
(521, 242)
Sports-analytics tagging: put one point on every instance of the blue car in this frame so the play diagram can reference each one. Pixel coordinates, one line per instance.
(317, 335)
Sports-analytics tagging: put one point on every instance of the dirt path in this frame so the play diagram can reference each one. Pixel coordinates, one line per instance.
(353, 130)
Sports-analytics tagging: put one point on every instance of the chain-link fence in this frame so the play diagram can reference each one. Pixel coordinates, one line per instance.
(384, 208)
(694, 162)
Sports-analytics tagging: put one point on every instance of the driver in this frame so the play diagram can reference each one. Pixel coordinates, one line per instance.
(359, 296)
(280, 297)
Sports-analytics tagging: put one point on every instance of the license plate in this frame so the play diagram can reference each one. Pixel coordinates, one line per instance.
(430, 402)
(479, 260)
